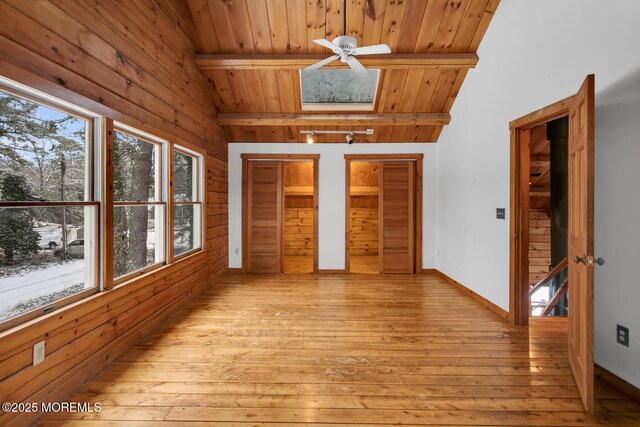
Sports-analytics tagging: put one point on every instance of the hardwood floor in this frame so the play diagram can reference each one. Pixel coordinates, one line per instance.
(344, 350)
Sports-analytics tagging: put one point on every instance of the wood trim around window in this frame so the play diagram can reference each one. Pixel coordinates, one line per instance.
(200, 159)
(169, 240)
(148, 269)
(108, 135)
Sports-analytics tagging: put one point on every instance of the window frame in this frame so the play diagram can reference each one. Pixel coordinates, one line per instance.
(90, 192)
(99, 186)
(160, 194)
(199, 182)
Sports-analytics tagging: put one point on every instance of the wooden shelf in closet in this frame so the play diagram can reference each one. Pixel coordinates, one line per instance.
(298, 191)
(364, 191)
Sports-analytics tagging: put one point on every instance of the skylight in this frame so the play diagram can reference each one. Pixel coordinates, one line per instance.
(338, 89)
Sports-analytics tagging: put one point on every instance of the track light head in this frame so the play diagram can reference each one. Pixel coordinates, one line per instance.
(350, 138)
(310, 138)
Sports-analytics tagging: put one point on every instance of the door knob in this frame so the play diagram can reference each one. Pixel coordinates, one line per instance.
(599, 261)
(578, 260)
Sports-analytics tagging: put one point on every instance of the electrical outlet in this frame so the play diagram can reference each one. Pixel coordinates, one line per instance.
(622, 335)
(237, 251)
(38, 353)
(501, 213)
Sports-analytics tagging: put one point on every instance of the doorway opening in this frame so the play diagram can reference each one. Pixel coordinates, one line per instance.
(299, 216)
(572, 118)
(548, 218)
(383, 213)
(364, 217)
(280, 213)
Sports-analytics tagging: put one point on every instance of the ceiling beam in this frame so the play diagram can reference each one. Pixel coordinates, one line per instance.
(284, 119)
(225, 61)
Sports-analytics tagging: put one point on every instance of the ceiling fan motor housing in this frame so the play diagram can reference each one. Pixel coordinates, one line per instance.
(346, 43)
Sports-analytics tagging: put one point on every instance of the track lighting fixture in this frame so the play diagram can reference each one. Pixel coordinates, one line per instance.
(349, 134)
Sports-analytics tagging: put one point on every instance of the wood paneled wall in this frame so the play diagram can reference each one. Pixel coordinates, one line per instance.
(298, 229)
(364, 230)
(539, 244)
(539, 204)
(298, 208)
(132, 62)
(364, 208)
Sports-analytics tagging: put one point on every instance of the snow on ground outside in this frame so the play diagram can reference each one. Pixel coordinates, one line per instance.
(34, 284)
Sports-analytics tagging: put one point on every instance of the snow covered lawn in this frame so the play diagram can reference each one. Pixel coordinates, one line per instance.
(34, 286)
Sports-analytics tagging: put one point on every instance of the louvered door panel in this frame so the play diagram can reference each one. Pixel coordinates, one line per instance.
(397, 217)
(265, 217)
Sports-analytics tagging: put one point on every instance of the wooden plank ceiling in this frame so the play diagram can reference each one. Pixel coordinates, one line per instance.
(429, 35)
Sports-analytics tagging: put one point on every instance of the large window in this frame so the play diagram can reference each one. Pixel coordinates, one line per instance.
(138, 207)
(48, 213)
(86, 203)
(187, 204)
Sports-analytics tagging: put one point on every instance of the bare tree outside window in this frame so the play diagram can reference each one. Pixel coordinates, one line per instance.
(45, 204)
(186, 206)
(138, 209)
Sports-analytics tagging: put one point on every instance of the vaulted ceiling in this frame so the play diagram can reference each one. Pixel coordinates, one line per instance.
(252, 51)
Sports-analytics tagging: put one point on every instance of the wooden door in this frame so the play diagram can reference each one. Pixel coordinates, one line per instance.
(264, 217)
(397, 216)
(581, 140)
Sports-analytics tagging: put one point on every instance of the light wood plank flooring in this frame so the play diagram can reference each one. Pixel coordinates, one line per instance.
(343, 350)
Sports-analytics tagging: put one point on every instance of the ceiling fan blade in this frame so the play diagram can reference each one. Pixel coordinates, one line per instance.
(326, 43)
(357, 67)
(321, 63)
(372, 50)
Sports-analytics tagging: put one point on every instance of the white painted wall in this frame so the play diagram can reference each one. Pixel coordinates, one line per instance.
(331, 210)
(536, 53)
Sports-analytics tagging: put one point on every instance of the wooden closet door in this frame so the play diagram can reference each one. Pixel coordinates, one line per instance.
(397, 217)
(264, 222)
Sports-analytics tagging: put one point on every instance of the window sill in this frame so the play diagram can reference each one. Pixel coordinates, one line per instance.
(155, 269)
